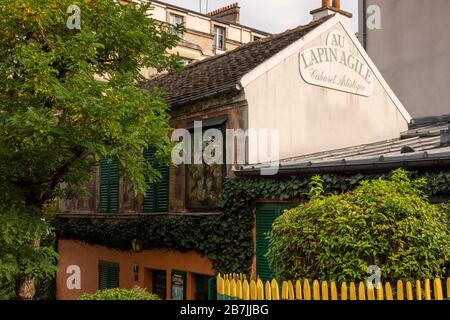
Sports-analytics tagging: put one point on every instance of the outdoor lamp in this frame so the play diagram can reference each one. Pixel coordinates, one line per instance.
(136, 244)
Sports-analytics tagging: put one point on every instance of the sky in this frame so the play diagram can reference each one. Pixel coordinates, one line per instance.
(272, 16)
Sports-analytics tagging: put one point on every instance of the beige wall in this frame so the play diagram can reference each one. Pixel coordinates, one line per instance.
(199, 31)
(312, 118)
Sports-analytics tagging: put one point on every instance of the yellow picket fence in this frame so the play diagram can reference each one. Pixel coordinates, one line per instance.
(237, 287)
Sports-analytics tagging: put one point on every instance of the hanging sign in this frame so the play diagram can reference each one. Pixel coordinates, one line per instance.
(334, 66)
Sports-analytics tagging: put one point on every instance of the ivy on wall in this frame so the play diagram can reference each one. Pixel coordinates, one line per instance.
(226, 239)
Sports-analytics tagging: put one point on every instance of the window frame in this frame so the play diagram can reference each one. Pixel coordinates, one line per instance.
(216, 37)
(173, 24)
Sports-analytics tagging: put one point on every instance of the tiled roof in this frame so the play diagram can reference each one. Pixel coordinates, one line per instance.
(422, 143)
(222, 74)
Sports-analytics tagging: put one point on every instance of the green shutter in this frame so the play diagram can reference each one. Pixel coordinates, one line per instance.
(157, 196)
(212, 289)
(265, 216)
(109, 187)
(108, 275)
(102, 277)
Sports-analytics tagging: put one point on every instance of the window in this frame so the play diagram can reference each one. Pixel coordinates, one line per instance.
(219, 38)
(159, 283)
(177, 20)
(256, 38)
(202, 287)
(108, 275)
(109, 186)
(186, 62)
(157, 196)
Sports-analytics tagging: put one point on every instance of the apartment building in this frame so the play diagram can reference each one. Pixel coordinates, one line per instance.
(208, 34)
(409, 42)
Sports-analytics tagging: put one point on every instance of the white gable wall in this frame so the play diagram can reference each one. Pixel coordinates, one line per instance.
(311, 118)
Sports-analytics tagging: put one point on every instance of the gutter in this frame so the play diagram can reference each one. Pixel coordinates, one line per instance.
(233, 89)
(364, 24)
(359, 166)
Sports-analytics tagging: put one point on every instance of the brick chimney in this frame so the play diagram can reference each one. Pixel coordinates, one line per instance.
(330, 7)
(230, 13)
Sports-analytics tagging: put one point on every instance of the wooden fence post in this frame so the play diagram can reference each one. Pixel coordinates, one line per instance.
(427, 290)
(298, 290)
(370, 292)
(380, 293)
(437, 286)
(418, 290)
(253, 291)
(306, 290)
(219, 287)
(227, 290)
(333, 290)
(284, 291)
(268, 291)
(291, 294)
(361, 291)
(324, 290)
(448, 288)
(316, 290)
(388, 290)
(409, 291)
(246, 290)
(260, 290)
(344, 291)
(275, 290)
(400, 292)
(352, 291)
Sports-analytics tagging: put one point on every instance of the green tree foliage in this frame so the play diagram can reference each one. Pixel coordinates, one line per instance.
(18, 256)
(120, 294)
(56, 118)
(69, 97)
(384, 222)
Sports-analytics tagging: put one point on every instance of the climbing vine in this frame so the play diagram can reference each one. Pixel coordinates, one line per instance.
(227, 238)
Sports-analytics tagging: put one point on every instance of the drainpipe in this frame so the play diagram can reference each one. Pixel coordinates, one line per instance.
(365, 24)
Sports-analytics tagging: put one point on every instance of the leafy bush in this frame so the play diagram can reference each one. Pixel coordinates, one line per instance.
(384, 222)
(120, 294)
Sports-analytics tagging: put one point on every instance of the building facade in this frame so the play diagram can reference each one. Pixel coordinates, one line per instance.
(208, 34)
(314, 86)
(409, 42)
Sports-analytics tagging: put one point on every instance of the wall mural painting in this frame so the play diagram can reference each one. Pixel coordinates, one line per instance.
(204, 184)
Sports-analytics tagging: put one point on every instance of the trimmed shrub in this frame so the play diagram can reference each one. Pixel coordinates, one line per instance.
(385, 222)
(120, 294)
